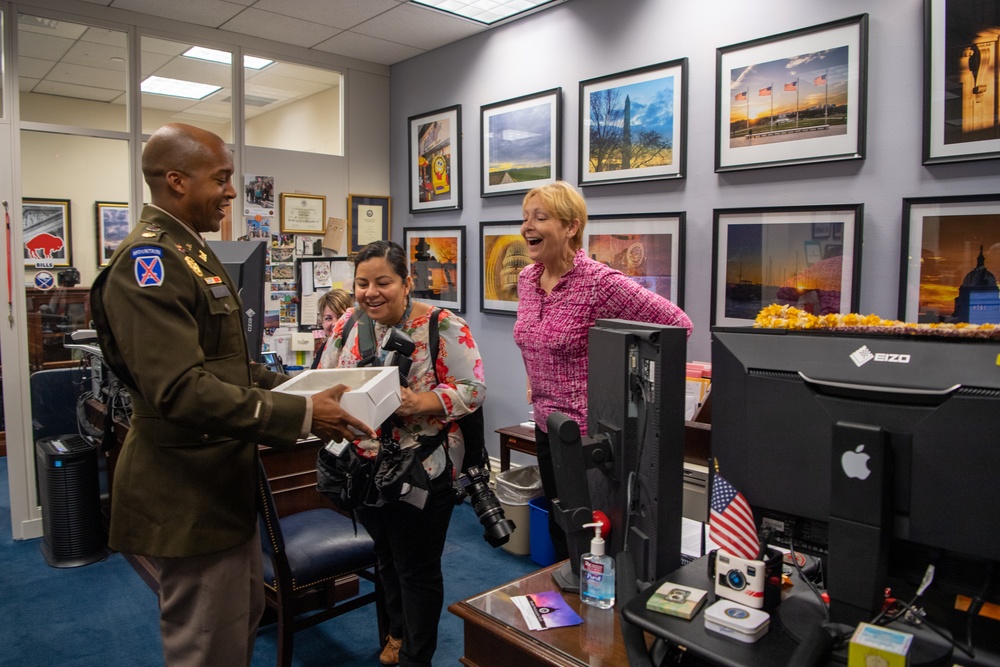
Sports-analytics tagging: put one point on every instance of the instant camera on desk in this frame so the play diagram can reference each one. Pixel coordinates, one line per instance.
(795, 416)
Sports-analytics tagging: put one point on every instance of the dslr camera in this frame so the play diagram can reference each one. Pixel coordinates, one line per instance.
(475, 483)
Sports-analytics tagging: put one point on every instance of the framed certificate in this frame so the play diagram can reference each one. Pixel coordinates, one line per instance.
(370, 220)
(303, 214)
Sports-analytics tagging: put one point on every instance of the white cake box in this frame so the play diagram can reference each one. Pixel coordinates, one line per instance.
(373, 393)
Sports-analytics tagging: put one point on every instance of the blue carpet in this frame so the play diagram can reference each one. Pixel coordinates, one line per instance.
(103, 613)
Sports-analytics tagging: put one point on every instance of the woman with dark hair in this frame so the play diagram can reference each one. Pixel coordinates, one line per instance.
(409, 533)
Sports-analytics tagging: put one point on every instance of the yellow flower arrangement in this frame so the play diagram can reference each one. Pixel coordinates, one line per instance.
(777, 316)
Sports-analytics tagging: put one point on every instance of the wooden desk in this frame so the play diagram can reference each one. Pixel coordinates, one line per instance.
(518, 438)
(496, 634)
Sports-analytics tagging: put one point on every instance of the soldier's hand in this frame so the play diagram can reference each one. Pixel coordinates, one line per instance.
(332, 422)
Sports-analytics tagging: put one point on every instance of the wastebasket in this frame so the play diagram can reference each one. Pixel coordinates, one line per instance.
(515, 489)
(542, 550)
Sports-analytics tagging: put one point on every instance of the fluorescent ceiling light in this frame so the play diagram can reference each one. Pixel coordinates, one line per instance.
(225, 57)
(486, 11)
(159, 85)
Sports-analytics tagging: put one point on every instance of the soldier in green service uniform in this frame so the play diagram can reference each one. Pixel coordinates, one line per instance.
(184, 490)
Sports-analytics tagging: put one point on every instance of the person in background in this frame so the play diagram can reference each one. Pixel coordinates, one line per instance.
(409, 534)
(561, 295)
(330, 307)
(185, 485)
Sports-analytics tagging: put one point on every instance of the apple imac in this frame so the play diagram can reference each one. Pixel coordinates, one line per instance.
(632, 457)
(877, 453)
(244, 261)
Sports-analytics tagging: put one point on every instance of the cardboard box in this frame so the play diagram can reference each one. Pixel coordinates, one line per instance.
(875, 645)
(373, 394)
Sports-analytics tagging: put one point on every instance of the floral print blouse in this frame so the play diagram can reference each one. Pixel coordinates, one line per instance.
(462, 387)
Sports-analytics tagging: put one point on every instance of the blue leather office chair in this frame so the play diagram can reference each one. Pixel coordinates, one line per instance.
(304, 555)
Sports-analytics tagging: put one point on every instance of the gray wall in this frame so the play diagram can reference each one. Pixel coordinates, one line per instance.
(582, 39)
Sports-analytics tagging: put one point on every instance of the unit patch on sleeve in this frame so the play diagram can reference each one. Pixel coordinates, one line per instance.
(149, 271)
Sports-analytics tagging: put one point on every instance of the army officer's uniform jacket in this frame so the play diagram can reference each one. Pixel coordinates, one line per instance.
(168, 321)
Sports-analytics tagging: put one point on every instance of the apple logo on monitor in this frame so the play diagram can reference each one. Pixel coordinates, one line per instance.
(855, 464)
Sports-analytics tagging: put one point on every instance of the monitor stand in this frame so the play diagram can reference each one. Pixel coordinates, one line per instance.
(802, 612)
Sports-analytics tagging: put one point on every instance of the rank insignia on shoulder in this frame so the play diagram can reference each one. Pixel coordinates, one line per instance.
(149, 269)
(148, 235)
(213, 280)
(202, 255)
(193, 265)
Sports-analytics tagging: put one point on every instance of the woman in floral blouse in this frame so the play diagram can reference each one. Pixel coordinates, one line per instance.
(409, 534)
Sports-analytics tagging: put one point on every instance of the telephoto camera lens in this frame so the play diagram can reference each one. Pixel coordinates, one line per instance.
(496, 527)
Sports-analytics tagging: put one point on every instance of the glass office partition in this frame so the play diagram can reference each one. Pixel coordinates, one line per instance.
(71, 74)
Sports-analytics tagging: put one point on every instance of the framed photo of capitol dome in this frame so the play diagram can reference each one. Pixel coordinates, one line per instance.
(646, 247)
(950, 260)
(502, 254)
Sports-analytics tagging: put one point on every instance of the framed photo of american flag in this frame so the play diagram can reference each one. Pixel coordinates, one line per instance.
(793, 98)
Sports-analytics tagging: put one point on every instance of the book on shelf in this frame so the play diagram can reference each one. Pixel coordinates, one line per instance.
(677, 600)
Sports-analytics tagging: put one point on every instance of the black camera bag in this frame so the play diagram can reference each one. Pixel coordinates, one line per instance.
(345, 479)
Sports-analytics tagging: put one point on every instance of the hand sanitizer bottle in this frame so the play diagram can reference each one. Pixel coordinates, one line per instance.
(597, 573)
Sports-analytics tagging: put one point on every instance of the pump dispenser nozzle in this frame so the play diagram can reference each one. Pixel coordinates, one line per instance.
(596, 544)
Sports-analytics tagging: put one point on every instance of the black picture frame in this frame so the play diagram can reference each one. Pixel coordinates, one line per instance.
(112, 218)
(521, 143)
(606, 110)
(501, 248)
(370, 219)
(959, 80)
(768, 255)
(437, 263)
(646, 247)
(944, 239)
(751, 75)
(435, 160)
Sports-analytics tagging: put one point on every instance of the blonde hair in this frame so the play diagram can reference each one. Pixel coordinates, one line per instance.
(565, 204)
(337, 300)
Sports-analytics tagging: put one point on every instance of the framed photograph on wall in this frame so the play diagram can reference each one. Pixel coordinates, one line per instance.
(303, 214)
(435, 160)
(370, 220)
(793, 98)
(46, 225)
(646, 247)
(763, 256)
(315, 276)
(950, 259)
(112, 228)
(633, 125)
(961, 101)
(521, 145)
(502, 255)
(437, 265)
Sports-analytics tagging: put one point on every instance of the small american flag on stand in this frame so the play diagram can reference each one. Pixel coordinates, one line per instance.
(731, 520)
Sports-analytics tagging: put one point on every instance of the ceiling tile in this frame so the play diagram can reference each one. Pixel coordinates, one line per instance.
(337, 13)
(97, 55)
(34, 68)
(270, 25)
(104, 36)
(72, 90)
(368, 48)
(88, 76)
(47, 47)
(211, 13)
(420, 28)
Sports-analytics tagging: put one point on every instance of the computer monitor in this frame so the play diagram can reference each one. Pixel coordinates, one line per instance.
(635, 400)
(799, 420)
(244, 262)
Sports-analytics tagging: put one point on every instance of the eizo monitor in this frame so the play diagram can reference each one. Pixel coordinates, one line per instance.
(244, 261)
(880, 453)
